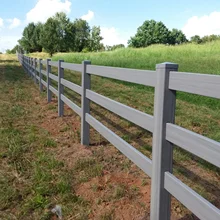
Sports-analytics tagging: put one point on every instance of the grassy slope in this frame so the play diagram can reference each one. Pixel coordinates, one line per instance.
(196, 113)
(190, 57)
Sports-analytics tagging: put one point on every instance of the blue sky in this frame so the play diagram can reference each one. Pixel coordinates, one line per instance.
(118, 19)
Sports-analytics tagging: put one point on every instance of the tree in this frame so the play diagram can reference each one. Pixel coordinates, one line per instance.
(66, 32)
(27, 35)
(82, 34)
(177, 37)
(117, 46)
(151, 32)
(50, 36)
(8, 51)
(114, 47)
(95, 39)
(30, 40)
(196, 39)
(36, 42)
(210, 38)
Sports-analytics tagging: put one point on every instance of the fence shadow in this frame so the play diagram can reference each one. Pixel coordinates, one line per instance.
(13, 71)
(7, 61)
(203, 182)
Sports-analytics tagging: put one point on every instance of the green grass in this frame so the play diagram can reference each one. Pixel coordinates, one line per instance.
(197, 113)
(196, 58)
(32, 181)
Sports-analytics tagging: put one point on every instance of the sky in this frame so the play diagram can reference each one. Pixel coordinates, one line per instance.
(118, 19)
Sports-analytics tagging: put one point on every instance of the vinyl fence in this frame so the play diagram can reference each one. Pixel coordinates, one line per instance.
(166, 80)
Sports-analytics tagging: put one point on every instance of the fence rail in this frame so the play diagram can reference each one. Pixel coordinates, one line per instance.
(166, 80)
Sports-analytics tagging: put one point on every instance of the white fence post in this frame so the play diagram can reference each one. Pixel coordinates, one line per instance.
(49, 94)
(40, 75)
(60, 89)
(86, 84)
(162, 155)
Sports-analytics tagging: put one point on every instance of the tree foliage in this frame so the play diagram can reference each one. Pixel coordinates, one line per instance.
(95, 39)
(17, 48)
(50, 37)
(59, 34)
(152, 32)
(177, 37)
(114, 47)
(30, 40)
(82, 34)
(198, 40)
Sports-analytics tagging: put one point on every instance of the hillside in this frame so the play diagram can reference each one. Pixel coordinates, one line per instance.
(196, 113)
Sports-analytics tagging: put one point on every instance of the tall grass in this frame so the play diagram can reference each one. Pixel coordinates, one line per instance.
(190, 57)
(204, 58)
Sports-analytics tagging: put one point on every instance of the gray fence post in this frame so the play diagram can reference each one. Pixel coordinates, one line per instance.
(60, 89)
(86, 84)
(35, 70)
(24, 62)
(162, 155)
(28, 62)
(49, 94)
(31, 68)
(31, 62)
(26, 65)
(40, 75)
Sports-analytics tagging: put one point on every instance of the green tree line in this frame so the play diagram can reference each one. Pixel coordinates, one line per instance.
(59, 34)
(152, 32)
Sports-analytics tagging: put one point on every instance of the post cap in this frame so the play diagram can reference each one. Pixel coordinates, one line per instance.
(86, 62)
(167, 65)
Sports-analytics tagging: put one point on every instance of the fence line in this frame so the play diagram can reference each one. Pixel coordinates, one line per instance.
(166, 80)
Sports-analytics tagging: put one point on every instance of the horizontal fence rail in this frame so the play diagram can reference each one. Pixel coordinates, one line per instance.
(188, 197)
(134, 155)
(166, 80)
(144, 77)
(137, 117)
(199, 145)
(200, 84)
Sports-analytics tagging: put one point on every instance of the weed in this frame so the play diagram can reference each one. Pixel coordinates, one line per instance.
(48, 142)
(119, 192)
(87, 169)
(108, 215)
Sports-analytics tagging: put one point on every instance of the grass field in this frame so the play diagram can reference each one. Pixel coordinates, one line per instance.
(196, 58)
(43, 164)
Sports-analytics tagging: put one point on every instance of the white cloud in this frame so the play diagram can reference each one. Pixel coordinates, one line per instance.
(47, 8)
(204, 25)
(14, 23)
(1, 23)
(111, 36)
(89, 16)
